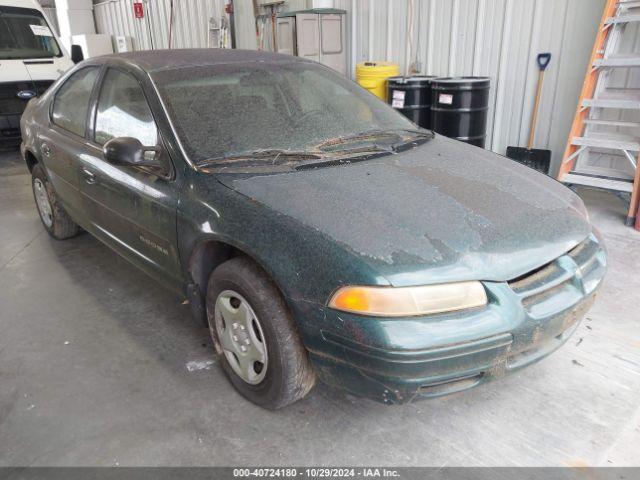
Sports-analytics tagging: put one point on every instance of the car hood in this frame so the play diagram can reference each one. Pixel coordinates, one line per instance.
(442, 212)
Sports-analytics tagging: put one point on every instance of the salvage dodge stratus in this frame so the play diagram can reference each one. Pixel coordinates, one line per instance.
(317, 231)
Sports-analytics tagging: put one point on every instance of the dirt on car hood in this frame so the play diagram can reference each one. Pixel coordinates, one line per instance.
(442, 212)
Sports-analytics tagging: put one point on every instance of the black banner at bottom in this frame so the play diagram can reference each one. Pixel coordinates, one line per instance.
(305, 473)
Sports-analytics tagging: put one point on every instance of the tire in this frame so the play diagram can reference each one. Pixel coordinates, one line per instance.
(288, 374)
(55, 220)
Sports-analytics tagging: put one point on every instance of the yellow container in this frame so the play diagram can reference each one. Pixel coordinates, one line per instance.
(373, 76)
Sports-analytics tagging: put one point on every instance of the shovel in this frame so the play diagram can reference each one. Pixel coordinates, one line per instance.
(535, 158)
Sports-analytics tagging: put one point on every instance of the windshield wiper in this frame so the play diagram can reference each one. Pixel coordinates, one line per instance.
(360, 156)
(366, 152)
(273, 155)
(372, 135)
(417, 136)
(367, 135)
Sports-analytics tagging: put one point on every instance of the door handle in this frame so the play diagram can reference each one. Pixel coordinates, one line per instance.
(46, 150)
(89, 176)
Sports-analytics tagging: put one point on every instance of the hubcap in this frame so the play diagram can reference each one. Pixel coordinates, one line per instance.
(42, 202)
(241, 337)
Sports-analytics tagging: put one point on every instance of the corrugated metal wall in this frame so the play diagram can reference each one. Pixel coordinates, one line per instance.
(495, 38)
(190, 19)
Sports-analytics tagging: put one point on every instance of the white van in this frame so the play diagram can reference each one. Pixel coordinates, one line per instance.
(31, 59)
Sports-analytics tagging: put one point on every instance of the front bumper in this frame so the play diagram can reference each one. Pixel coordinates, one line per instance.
(403, 359)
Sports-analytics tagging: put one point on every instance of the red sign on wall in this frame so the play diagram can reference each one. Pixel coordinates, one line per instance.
(138, 10)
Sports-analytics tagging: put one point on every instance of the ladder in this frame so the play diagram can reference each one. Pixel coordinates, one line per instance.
(604, 144)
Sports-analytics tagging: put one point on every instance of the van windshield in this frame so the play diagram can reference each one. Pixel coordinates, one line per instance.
(24, 33)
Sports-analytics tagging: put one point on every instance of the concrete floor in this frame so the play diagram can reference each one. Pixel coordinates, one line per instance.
(101, 366)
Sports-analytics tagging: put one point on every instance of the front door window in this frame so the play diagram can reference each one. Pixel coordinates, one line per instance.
(123, 111)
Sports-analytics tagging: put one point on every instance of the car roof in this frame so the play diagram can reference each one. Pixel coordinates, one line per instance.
(154, 60)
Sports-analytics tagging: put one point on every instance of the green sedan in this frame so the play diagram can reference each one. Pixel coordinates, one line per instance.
(318, 233)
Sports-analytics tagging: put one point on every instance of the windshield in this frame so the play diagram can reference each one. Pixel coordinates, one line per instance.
(227, 110)
(24, 33)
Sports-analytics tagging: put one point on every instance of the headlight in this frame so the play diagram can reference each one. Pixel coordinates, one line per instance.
(409, 301)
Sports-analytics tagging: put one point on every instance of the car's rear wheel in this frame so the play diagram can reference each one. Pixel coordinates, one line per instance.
(255, 336)
(53, 215)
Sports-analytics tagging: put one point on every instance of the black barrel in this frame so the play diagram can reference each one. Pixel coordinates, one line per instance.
(411, 96)
(459, 108)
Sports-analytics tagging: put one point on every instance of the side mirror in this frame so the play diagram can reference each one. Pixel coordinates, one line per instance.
(76, 54)
(128, 151)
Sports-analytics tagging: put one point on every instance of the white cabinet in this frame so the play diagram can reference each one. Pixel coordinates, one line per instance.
(123, 44)
(93, 45)
(317, 34)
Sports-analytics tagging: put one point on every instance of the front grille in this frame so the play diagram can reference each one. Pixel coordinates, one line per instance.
(562, 282)
(541, 277)
(590, 258)
(9, 132)
(42, 86)
(10, 104)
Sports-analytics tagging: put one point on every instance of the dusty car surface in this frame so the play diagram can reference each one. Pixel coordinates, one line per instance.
(317, 231)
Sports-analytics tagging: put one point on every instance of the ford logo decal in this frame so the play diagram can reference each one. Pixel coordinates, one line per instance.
(26, 94)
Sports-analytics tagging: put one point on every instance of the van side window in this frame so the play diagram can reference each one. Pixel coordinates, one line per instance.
(71, 102)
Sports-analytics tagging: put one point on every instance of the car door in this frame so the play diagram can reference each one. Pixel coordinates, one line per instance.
(132, 209)
(62, 144)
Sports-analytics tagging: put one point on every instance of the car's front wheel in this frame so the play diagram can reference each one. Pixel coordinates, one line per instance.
(255, 335)
(53, 215)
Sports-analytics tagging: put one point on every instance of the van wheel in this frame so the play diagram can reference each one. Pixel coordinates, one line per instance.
(255, 336)
(53, 215)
